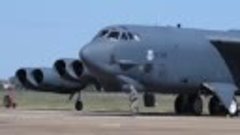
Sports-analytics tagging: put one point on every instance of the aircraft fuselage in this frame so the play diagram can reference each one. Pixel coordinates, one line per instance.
(164, 59)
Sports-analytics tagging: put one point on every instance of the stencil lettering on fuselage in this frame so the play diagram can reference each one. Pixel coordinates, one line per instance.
(150, 55)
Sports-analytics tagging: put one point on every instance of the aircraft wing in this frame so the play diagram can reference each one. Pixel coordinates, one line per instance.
(225, 40)
(229, 49)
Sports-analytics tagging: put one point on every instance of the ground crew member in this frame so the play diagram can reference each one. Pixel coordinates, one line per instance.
(9, 100)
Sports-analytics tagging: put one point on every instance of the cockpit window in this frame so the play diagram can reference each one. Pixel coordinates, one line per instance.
(114, 35)
(124, 36)
(130, 36)
(134, 37)
(103, 33)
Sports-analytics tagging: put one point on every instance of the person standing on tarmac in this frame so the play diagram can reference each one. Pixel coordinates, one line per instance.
(9, 100)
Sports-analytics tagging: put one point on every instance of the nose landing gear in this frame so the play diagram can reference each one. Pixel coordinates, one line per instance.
(78, 103)
(149, 99)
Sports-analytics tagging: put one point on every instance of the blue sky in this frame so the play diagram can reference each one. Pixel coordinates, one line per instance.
(37, 32)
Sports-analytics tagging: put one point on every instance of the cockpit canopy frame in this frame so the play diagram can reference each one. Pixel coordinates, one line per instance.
(118, 35)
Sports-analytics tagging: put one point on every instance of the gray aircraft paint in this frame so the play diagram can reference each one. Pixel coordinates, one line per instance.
(66, 68)
(25, 78)
(48, 79)
(74, 70)
(183, 58)
(165, 60)
(157, 59)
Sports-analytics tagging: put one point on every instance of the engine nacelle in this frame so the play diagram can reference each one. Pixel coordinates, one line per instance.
(74, 70)
(25, 78)
(48, 79)
(70, 69)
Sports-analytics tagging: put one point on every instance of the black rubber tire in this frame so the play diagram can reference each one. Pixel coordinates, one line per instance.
(149, 100)
(189, 104)
(79, 106)
(179, 106)
(216, 108)
(195, 105)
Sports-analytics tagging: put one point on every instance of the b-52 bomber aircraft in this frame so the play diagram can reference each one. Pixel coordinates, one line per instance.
(168, 60)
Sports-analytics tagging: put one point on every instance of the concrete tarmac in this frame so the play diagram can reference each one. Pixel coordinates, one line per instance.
(46, 122)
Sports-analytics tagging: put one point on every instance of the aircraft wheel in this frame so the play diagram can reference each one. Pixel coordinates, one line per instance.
(79, 105)
(216, 108)
(180, 105)
(196, 105)
(189, 104)
(149, 99)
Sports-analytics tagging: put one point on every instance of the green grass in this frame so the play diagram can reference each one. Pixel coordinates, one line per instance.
(93, 101)
(39, 100)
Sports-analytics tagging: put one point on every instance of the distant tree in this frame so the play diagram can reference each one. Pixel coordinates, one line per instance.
(1, 86)
(1, 83)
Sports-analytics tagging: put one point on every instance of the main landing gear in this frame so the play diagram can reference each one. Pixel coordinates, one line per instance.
(193, 105)
(216, 108)
(189, 104)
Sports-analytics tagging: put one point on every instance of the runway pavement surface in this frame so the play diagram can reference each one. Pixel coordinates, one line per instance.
(43, 122)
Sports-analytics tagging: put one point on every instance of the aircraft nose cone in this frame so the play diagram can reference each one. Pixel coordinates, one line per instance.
(89, 55)
(85, 54)
(95, 57)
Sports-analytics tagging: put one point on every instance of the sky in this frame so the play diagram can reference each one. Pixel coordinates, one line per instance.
(34, 33)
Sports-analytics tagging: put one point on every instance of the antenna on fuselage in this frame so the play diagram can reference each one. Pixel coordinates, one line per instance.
(179, 25)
